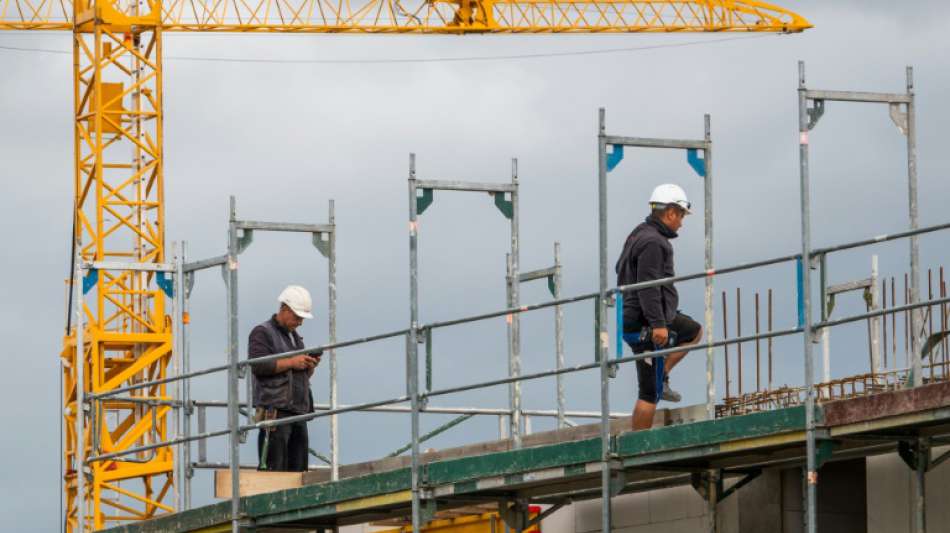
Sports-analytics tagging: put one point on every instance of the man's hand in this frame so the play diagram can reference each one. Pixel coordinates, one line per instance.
(660, 336)
(301, 362)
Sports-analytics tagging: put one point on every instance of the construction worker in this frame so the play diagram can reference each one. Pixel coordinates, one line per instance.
(282, 386)
(651, 319)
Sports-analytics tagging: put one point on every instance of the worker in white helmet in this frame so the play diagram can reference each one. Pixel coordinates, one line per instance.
(651, 318)
(282, 386)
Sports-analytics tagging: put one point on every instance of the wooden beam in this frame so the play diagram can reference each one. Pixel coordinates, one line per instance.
(255, 482)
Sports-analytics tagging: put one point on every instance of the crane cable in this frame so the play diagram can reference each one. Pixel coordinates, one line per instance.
(460, 59)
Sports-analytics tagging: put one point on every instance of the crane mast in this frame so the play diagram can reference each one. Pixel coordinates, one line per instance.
(119, 214)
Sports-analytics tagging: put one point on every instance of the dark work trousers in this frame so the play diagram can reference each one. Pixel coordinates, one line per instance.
(287, 448)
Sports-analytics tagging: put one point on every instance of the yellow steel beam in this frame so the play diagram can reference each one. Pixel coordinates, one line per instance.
(436, 16)
(118, 208)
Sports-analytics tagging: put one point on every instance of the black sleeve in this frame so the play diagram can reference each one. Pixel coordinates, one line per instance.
(259, 345)
(649, 268)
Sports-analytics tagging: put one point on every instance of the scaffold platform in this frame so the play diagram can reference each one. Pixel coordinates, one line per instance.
(562, 466)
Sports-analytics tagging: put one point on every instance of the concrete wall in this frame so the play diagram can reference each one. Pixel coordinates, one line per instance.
(672, 510)
(890, 493)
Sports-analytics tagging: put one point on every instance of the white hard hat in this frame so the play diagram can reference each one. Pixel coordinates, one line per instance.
(298, 300)
(669, 193)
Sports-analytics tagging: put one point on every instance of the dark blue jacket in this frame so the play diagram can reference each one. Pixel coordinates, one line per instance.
(647, 255)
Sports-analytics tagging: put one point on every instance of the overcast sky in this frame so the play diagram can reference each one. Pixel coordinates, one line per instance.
(285, 138)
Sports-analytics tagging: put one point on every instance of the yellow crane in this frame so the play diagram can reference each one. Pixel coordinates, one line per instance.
(119, 213)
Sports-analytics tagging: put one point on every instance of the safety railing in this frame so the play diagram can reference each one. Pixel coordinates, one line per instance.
(388, 405)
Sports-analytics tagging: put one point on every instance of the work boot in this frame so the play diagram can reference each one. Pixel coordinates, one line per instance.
(669, 394)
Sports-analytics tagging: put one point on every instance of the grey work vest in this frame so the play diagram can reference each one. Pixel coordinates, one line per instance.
(288, 391)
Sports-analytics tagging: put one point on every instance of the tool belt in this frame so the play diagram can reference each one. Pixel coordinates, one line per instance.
(263, 414)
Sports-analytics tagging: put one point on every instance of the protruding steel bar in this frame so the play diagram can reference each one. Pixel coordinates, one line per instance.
(725, 335)
(894, 321)
(825, 334)
(811, 470)
(739, 334)
(907, 325)
(943, 326)
(884, 320)
(233, 369)
(930, 296)
(758, 348)
(875, 323)
(412, 347)
(930, 319)
(770, 338)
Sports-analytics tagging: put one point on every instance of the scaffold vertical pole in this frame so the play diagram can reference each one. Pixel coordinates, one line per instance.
(708, 227)
(712, 496)
(334, 391)
(233, 385)
(559, 335)
(188, 407)
(916, 316)
(605, 510)
(514, 369)
(412, 347)
(178, 367)
(811, 474)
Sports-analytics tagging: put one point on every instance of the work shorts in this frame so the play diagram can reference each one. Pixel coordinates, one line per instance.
(686, 329)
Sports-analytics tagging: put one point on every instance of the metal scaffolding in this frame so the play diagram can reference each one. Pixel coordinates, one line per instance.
(612, 475)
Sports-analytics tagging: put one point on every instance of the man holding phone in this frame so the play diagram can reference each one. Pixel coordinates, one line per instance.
(282, 386)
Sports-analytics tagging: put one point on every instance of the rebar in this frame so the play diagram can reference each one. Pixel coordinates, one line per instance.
(758, 358)
(907, 324)
(943, 323)
(770, 339)
(739, 334)
(894, 321)
(725, 335)
(884, 321)
(930, 316)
